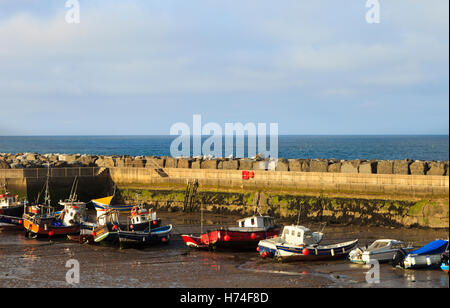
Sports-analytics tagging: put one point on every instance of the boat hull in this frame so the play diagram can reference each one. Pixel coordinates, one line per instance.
(13, 211)
(229, 239)
(49, 230)
(10, 222)
(155, 236)
(298, 253)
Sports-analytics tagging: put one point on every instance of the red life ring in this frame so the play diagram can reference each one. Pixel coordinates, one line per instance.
(134, 211)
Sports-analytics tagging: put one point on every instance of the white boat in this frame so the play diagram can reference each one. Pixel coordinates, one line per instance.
(381, 250)
(299, 243)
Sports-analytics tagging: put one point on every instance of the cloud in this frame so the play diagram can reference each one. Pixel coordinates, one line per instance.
(300, 52)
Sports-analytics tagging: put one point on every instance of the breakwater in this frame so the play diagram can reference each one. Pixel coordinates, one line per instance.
(401, 167)
(372, 198)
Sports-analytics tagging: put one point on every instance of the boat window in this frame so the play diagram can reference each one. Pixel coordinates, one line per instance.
(293, 233)
(398, 246)
(299, 234)
(377, 245)
(252, 221)
(242, 223)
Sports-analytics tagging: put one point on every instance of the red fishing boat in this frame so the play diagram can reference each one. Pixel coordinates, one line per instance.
(249, 232)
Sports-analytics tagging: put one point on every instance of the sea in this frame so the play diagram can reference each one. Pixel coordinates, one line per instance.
(382, 147)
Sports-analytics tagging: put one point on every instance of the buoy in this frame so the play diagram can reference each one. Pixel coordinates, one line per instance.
(155, 222)
(20, 222)
(257, 249)
(93, 233)
(253, 236)
(114, 227)
(131, 227)
(305, 251)
(50, 233)
(226, 238)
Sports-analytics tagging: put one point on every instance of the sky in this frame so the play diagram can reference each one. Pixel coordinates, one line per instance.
(138, 67)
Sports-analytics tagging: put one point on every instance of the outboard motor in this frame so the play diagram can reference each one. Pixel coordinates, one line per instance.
(444, 258)
(399, 258)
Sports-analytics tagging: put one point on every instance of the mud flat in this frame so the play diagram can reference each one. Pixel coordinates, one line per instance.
(39, 263)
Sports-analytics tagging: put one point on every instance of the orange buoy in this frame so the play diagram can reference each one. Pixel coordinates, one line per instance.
(226, 238)
(253, 236)
(305, 251)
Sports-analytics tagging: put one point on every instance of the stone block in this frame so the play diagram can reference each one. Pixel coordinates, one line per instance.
(385, 167)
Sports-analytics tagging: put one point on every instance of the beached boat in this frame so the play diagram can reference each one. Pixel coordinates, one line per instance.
(299, 243)
(381, 250)
(444, 260)
(249, 232)
(140, 219)
(10, 205)
(428, 256)
(144, 238)
(43, 220)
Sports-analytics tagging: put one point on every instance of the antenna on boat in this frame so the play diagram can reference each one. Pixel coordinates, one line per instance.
(299, 212)
(201, 218)
(73, 191)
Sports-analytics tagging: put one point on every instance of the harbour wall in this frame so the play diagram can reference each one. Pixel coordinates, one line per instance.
(374, 199)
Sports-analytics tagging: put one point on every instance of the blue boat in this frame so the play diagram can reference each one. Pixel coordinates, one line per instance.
(144, 238)
(428, 256)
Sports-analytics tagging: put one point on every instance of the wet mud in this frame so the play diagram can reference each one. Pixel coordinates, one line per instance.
(42, 262)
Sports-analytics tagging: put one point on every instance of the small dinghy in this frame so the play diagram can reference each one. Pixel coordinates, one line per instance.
(144, 238)
(299, 243)
(380, 250)
(246, 236)
(428, 256)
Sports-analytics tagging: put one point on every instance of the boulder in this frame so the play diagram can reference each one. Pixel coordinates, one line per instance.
(260, 165)
(31, 156)
(87, 160)
(171, 162)
(154, 162)
(401, 167)
(295, 165)
(318, 165)
(335, 167)
(245, 164)
(232, 164)
(4, 164)
(368, 167)
(350, 166)
(139, 162)
(282, 165)
(196, 164)
(209, 164)
(305, 165)
(385, 167)
(184, 163)
(418, 167)
(436, 168)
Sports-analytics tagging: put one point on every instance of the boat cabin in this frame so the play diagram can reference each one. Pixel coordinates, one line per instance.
(299, 235)
(263, 222)
(142, 215)
(7, 200)
(108, 216)
(390, 244)
(74, 212)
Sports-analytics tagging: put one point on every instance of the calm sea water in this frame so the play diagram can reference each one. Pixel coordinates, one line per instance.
(429, 147)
